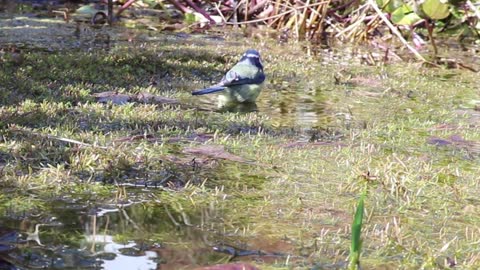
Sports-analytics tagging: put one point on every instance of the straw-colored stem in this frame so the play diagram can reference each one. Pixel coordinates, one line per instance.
(394, 30)
(275, 16)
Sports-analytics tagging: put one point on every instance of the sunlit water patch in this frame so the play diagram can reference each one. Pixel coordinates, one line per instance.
(135, 236)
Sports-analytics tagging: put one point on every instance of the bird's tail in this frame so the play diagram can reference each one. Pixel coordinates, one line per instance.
(209, 90)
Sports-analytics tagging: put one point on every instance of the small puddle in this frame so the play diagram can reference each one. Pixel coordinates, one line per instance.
(141, 233)
(133, 236)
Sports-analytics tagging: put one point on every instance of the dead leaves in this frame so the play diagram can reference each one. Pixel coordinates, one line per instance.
(457, 141)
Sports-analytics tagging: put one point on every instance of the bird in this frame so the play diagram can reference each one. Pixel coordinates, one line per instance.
(241, 84)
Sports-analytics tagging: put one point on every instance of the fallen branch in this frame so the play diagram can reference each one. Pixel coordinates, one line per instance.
(123, 8)
(258, 6)
(201, 11)
(179, 6)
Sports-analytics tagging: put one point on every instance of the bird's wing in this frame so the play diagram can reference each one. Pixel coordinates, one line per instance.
(242, 74)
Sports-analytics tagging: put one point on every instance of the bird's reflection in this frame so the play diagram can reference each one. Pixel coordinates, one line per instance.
(239, 107)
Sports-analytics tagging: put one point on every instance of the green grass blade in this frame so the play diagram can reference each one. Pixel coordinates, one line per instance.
(356, 246)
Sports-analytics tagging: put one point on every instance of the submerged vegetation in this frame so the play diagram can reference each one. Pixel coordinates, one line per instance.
(108, 125)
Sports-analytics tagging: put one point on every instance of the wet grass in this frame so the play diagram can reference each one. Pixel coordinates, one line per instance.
(325, 131)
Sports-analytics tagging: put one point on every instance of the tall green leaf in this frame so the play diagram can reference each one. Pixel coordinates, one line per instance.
(356, 245)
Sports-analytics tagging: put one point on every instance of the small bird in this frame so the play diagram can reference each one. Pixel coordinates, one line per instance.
(242, 83)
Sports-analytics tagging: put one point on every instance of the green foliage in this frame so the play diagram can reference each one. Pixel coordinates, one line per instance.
(404, 15)
(390, 5)
(408, 13)
(356, 243)
(435, 9)
(189, 18)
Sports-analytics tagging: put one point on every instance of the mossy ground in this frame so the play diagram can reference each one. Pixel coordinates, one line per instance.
(325, 131)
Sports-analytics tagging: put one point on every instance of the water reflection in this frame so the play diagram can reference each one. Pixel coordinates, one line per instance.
(210, 103)
(121, 256)
(295, 106)
(136, 236)
(240, 108)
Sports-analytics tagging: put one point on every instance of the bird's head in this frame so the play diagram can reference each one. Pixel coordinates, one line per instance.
(253, 56)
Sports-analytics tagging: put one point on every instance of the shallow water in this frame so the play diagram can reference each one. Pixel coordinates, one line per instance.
(80, 235)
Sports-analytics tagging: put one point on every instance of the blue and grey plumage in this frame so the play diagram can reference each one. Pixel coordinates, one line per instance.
(240, 84)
